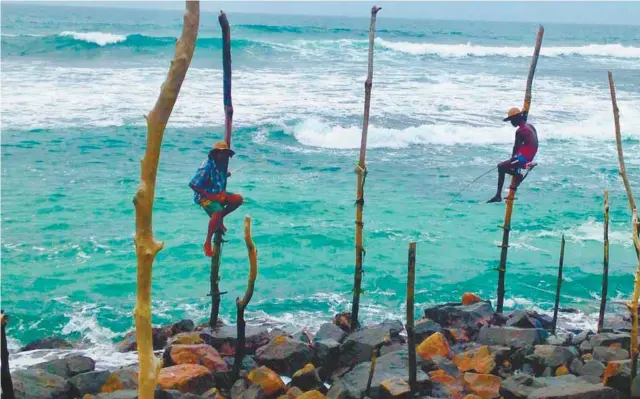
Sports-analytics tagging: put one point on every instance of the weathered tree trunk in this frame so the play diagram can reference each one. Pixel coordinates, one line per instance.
(506, 227)
(605, 271)
(228, 119)
(411, 280)
(7, 384)
(146, 246)
(558, 287)
(361, 171)
(241, 304)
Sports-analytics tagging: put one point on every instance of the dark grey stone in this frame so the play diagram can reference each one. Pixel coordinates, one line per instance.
(604, 354)
(284, 357)
(67, 367)
(359, 346)
(510, 336)
(606, 339)
(424, 329)
(38, 384)
(330, 331)
(327, 353)
(552, 356)
(90, 382)
(586, 347)
(471, 317)
(580, 338)
(47, 343)
(592, 368)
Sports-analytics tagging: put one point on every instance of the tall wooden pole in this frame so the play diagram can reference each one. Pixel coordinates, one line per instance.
(605, 270)
(361, 171)
(558, 287)
(506, 227)
(5, 373)
(228, 119)
(411, 280)
(241, 304)
(146, 245)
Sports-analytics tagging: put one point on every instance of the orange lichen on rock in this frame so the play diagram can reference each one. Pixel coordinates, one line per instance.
(293, 392)
(562, 370)
(269, 381)
(479, 360)
(312, 395)
(435, 345)
(186, 377)
(587, 356)
(487, 386)
(280, 339)
(305, 370)
(113, 384)
(395, 387)
(203, 355)
(472, 396)
(192, 338)
(452, 386)
(613, 368)
(469, 298)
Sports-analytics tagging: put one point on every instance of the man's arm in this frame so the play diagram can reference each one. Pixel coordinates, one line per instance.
(516, 144)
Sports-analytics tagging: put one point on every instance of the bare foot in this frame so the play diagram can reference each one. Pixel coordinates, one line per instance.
(497, 198)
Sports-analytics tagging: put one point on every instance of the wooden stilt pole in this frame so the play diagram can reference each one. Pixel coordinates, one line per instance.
(506, 227)
(146, 245)
(372, 370)
(558, 287)
(605, 271)
(7, 384)
(361, 171)
(411, 279)
(241, 304)
(228, 120)
(633, 307)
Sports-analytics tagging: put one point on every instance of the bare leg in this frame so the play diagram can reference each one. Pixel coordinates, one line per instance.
(506, 167)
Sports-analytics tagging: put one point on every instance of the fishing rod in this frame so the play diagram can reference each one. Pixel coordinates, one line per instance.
(468, 184)
(247, 165)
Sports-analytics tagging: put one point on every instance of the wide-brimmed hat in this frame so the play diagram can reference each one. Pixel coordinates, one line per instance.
(222, 146)
(513, 112)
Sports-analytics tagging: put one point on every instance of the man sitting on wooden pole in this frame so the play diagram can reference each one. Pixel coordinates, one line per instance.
(209, 186)
(524, 150)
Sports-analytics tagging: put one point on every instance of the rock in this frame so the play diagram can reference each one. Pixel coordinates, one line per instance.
(519, 386)
(445, 365)
(124, 378)
(559, 339)
(239, 388)
(307, 379)
(435, 345)
(484, 385)
(617, 375)
(424, 328)
(576, 367)
(607, 339)
(312, 395)
(187, 338)
(353, 384)
(159, 335)
(302, 336)
(284, 355)
(464, 316)
(225, 338)
(121, 394)
(510, 336)
(183, 326)
(203, 355)
(469, 298)
(270, 382)
(254, 392)
(605, 355)
(293, 393)
(577, 390)
(67, 367)
(248, 363)
(443, 385)
(394, 327)
(552, 356)
(90, 382)
(327, 353)
(456, 335)
(580, 338)
(479, 360)
(47, 343)
(592, 368)
(330, 331)
(359, 346)
(391, 348)
(562, 370)
(213, 393)
(586, 347)
(500, 353)
(343, 320)
(38, 384)
(529, 319)
(395, 388)
(192, 378)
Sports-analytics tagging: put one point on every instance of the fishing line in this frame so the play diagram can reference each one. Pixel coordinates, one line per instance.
(248, 165)
(470, 183)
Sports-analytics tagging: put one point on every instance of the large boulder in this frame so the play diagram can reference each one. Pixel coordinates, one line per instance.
(394, 327)
(608, 339)
(123, 378)
(576, 390)
(519, 386)
(191, 378)
(581, 337)
(67, 367)
(592, 368)
(38, 384)
(308, 379)
(605, 355)
(204, 355)
(510, 336)
(395, 388)
(327, 353)
(424, 328)
(91, 382)
(330, 331)
(47, 343)
(528, 319)
(553, 356)
(359, 346)
(160, 336)
(247, 364)
(224, 339)
(269, 382)
(183, 326)
(353, 384)
(284, 355)
(470, 317)
(483, 385)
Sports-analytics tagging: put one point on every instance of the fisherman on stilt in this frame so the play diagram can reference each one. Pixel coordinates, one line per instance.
(209, 186)
(524, 150)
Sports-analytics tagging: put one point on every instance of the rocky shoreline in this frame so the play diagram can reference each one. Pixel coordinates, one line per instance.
(464, 351)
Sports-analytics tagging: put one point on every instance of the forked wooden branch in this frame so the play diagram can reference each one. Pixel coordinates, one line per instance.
(146, 245)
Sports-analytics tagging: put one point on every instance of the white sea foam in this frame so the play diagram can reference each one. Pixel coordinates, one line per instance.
(468, 49)
(99, 38)
(591, 230)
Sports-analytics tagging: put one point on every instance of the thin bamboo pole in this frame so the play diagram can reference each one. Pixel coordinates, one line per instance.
(411, 279)
(5, 373)
(228, 120)
(634, 301)
(605, 270)
(146, 246)
(558, 287)
(372, 370)
(361, 171)
(241, 304)
(506, 227)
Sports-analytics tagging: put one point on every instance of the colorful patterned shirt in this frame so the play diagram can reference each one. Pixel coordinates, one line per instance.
(209, 178)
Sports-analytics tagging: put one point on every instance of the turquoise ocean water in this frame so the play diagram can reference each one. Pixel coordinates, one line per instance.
(76, 83)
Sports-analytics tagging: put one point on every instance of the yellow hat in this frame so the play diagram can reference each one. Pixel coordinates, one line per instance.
(512, 112)
(222, 146)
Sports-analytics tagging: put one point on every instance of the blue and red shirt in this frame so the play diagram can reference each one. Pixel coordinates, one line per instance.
(209, 178)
